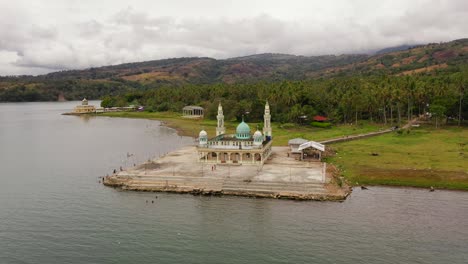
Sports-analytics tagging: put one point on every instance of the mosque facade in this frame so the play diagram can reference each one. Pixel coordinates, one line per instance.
(239, 148)
(85, 108)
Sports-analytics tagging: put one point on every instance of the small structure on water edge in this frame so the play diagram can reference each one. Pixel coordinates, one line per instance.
(192, 111)
(85, 108)
(305, 149)
(239, 148)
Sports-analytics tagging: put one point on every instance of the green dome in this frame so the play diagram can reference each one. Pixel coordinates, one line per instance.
(243, 131)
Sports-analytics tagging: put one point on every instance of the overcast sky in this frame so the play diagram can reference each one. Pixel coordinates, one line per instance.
(40, 36)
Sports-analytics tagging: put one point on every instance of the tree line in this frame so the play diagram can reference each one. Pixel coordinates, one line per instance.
(378, 98)
(20, 90)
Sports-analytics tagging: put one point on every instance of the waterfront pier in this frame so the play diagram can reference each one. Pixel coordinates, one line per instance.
(279, 177)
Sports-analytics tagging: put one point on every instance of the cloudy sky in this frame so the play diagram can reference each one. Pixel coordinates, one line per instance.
(40, 36)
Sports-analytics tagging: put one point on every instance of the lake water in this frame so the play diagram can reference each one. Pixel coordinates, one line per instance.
(54, 210)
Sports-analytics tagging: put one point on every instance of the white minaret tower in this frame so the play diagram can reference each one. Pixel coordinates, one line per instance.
(220, 129)
(267, 122)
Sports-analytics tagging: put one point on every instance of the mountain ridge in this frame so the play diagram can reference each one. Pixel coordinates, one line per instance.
(271, 67)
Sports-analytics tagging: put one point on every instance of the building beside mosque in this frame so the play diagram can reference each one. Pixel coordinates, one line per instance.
(193, 111)
(239, 148)
(84, 108)
(303, 149)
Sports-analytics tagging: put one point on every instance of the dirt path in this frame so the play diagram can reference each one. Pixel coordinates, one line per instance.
(366, 135)
(410, 123)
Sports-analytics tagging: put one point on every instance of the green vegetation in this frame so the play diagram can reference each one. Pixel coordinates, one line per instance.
(95, 83)
(384, 99)
(423, 157)
(281, 132)
(375, 96)
(17, 89)
(321, 124)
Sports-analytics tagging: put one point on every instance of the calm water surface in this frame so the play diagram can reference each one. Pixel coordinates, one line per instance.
(53, 210)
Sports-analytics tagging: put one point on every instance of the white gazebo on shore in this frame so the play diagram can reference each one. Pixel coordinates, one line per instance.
(192, 111)
(299, 145)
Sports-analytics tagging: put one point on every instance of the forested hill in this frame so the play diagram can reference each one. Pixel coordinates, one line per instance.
(110, 80)
(414, 60)
(206, 70)
(118, 79)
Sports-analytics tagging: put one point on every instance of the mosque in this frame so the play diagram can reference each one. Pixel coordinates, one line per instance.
(85, 108)
(239, 148)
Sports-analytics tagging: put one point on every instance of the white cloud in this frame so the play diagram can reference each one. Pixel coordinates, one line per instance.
(52, 35)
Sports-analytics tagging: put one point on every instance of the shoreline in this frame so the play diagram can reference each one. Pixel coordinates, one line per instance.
(202, 192)
(409, 187)
(179, 130)
(173, 122)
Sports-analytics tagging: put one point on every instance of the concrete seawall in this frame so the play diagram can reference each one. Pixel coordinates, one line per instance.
(279, 177)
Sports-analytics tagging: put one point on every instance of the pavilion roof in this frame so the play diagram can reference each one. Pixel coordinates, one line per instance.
(192, 107)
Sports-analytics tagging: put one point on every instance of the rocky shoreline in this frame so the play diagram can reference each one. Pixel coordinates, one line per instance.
(112, 182)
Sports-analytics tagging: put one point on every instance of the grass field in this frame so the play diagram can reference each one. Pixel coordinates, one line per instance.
(425, 157)
(281, 132)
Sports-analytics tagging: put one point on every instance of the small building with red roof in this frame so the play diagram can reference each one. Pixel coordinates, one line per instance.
(319, 118)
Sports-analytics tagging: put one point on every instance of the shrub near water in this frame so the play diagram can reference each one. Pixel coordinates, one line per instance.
(321, 124)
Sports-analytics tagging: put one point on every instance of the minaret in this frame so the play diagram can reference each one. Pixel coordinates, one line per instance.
(267, 122)
(220, 128)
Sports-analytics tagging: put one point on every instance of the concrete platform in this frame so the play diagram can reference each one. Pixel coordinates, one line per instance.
(280, 177)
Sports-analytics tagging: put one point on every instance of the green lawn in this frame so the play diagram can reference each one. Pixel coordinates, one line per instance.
(424, 157)
(281, 132)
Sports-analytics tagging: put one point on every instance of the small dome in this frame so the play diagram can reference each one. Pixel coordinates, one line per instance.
(203, 134)
(203, 138)
(84, 101)
(243, 131)
(257, 134)
(258, 138)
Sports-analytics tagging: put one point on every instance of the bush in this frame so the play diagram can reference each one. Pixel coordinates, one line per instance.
(163, 107)
(287, 125)
(321, 124)
(107, 101)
